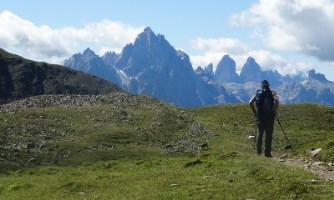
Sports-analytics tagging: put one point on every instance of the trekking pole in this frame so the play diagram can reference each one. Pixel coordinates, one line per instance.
(255, 133)
(289, 146)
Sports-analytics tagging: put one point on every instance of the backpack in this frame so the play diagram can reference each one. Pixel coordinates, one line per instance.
(265, 102)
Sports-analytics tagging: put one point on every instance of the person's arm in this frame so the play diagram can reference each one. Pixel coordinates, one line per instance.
(251, 104)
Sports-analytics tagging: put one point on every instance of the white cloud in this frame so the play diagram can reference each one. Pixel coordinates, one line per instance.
(270, 61)
(212, 51)
(231, 45)
(53, 45)
(205, 59)
(294, 25)
(215, 49)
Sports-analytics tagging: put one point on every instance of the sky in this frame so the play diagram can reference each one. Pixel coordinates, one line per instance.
(290, 36)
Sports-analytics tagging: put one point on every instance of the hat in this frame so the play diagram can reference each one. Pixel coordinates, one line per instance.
(264, 83)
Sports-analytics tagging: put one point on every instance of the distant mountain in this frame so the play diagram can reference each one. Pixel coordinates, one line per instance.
(312, 75)
(20, 78)
(251, 71)
(91, 63)
(312, 88)
(226, 71)
(157, 69)
(152, 66)
(316, 88)
(110, 58)
(206, 74)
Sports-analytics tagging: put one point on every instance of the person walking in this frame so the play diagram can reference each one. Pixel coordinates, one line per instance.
(264, 105)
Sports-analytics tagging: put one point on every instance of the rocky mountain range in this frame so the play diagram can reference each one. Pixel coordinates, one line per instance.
(21, 78)
(152, 66)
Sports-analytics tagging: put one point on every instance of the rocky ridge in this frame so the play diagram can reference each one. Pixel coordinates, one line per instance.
(114, 99)
(22, 78)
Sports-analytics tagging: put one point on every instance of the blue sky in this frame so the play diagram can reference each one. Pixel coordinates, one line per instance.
(285, 35)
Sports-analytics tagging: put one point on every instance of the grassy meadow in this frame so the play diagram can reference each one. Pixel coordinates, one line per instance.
(143, 152)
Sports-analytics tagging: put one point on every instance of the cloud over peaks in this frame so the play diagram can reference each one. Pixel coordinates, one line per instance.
(53, 45)
(294, 25)
(212, 50)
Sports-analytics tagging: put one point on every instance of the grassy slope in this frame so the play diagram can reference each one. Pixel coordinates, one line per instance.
(307, 126)
(228, 170)
(113, 126)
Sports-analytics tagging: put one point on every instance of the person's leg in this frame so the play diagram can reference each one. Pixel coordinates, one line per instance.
(269, 138)
(260, 131)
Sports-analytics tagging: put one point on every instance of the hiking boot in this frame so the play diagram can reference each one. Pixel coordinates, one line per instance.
(269, 156)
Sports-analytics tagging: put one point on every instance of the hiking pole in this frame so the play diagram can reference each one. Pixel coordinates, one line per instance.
(289, 146)
(255, 133)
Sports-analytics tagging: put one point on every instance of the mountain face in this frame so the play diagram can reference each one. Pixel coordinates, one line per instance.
(206, 74)
(226, 70)
(151, 51)
(316, 88)
(110, 58)
(153, 67)
(20, 78)
(157, 69)
(91, 63)
(251, 71)
(312, 75)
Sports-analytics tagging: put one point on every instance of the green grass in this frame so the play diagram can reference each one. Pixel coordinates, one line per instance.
(138, 167)
(225, 176)
(307, 126)
(70, 134)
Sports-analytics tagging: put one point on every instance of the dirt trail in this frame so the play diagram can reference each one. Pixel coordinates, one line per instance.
(321, 169)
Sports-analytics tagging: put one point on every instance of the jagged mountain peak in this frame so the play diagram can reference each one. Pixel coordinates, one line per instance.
(312, 75)
(226, 70)
(148, 39)
(199, 69)
(91, 63)
(226, 63)
(110, 54)
(110, 58)
(226, 57)
(148, 30)
(206, 71)
(251, 66)
(250, 60)
(209, 68)
(182, 55)
(88, 52)
(251, 71)
(150, 51)
(209, 71)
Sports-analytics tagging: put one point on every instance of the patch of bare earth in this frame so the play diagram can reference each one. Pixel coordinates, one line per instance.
(321, 169)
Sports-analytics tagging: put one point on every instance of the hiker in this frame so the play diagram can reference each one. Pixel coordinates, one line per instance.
(265, 111)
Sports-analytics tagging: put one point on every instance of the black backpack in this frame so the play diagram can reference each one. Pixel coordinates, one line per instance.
(265, 102)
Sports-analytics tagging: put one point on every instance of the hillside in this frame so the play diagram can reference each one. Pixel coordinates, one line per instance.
(123, 146)
(20, 78)
(67, 129)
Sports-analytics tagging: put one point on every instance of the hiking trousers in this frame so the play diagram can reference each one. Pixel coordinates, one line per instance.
(265, 126)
